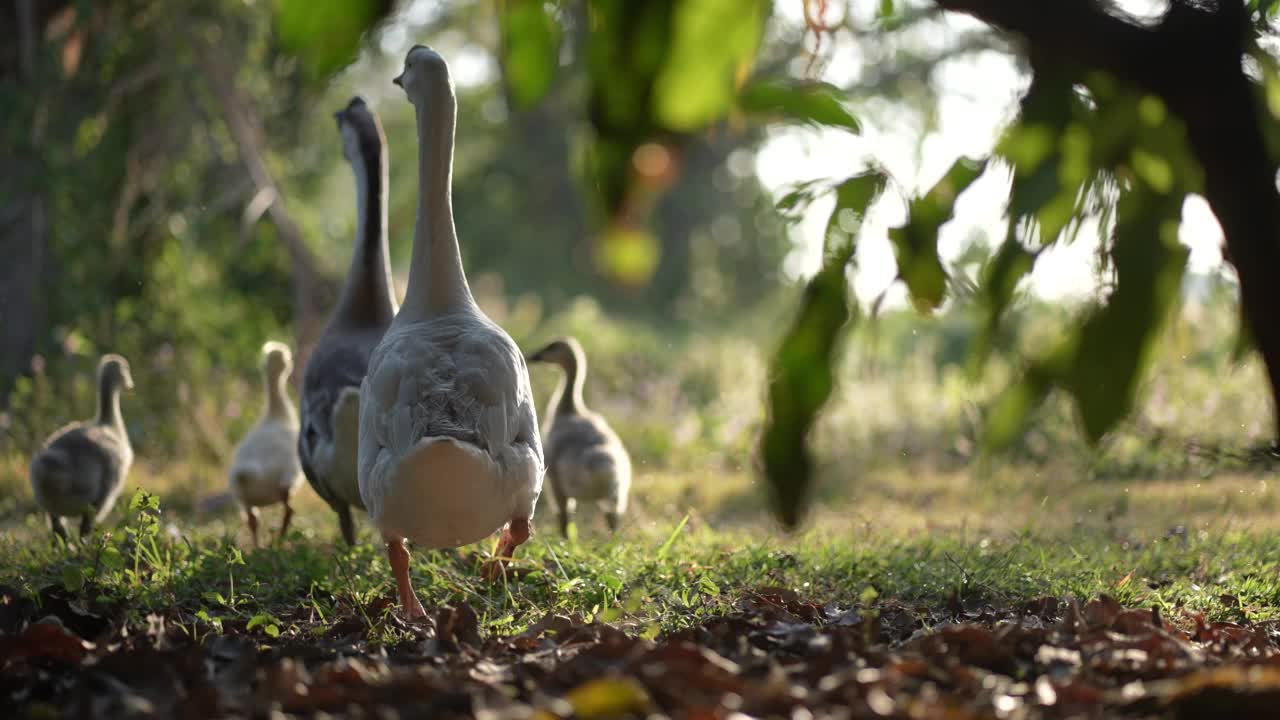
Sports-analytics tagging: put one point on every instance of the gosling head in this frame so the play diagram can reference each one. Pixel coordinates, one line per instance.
(277, 360)
(425, 76)
(565, 352)
(114, 370)
(362, 135)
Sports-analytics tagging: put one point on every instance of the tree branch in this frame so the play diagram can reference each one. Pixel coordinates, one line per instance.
(1080, 31)
(1191, 60)
(309, 290)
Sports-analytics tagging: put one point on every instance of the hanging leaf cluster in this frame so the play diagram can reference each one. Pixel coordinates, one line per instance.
(1085, 151)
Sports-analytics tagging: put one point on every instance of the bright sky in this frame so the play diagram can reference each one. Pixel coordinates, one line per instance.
(977, 95)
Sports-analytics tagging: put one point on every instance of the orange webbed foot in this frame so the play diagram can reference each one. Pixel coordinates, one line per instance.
(513, 535)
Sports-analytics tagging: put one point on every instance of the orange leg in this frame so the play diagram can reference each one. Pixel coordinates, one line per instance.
(398, 556)
(251, 516)
(288, 515)
(513, 535)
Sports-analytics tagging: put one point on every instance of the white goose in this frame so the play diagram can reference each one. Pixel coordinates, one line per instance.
(449, 446)
(586, 459)
(265, 469)
(328, 443)
(81, 469)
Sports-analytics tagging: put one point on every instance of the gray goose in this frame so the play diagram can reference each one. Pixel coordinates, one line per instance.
(585, 458)
(265, 468)
(328, 441)
(82, 467)
(449, 446)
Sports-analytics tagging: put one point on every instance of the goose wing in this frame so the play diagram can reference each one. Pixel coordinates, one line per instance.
(571, 436)
(337, 365)
(458, 377)
(82, 465)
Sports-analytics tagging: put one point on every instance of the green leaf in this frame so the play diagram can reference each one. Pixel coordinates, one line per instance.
(915, 244)
(326, 34)
(72, 578)
(1007, 417)
(708, 586)
(267, 622)
(111, 558)
(215, 622)
(853, 197)
(142, 501)
(1050, 150)
(530, 49)
(1010, 264)
(712, 45)
(815, 103)
(1115, 341)
(802, 370)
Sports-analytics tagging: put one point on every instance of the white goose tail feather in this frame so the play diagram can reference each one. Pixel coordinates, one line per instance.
(443, 493)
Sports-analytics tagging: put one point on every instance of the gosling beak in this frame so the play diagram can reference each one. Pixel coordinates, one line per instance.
(397, 78)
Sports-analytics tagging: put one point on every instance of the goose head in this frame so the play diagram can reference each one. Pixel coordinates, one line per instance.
(113, 371)
(362, 135)
(565, 352)
(277, 360)
(425, 77)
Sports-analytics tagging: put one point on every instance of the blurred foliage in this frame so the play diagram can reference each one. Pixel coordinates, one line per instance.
(1084, 148)
(157, 249)
(915, 244)
(802, 374)
(530, 50)
(144, 191)
(326, 34)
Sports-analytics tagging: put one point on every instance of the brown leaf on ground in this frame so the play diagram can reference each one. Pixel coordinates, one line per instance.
(777, 656)
(46, 640)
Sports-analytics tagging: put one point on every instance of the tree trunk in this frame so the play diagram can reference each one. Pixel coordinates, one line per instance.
(24, 227)
(23, 306)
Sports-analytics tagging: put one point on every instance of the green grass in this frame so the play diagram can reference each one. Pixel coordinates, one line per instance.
(694, 545)
(905, 508)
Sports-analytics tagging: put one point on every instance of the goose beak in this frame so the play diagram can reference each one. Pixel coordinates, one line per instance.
(533, 357)
(397, 78)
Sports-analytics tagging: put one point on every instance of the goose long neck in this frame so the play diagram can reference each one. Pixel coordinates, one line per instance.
(278, 406)
(368, 297)
(575, 376)
(437, 283)
(109, 402)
